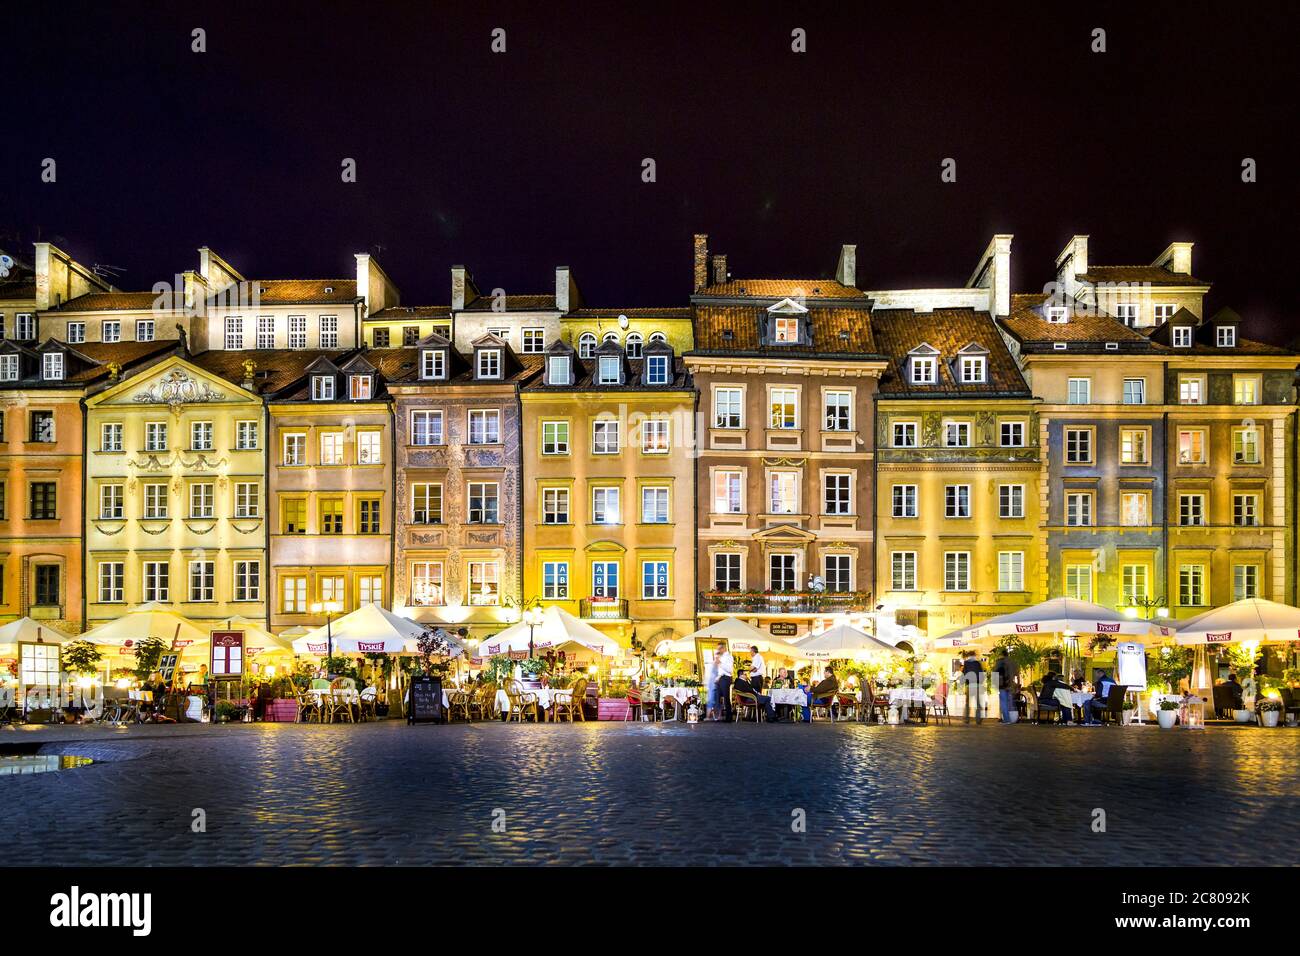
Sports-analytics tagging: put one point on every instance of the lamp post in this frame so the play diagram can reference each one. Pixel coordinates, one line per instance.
(533, 618)
(329, 608)
(1148, 607)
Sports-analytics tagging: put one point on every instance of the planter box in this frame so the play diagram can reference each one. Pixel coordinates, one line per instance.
(282, 710)
(612, 708)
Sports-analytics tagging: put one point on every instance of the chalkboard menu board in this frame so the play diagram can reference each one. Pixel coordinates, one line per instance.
(426, 701)
(167, 667)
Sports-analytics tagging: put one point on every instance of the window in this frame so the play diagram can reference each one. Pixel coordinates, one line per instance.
(1191, 510)
(1132, 446)
(247, 499)
(557, 370)
(1245, 446)
(1078, 446)
(293, 594)
(1057, 314)
(604, 437)
(784, 497)
(1245, 580)
(555, 438)
(784, 404)
(654, 580)
(1078, 582)
(433, 364)
(155, 436)
(426, 583)
(633, 345)
(1079, 391)
(483, 502)
(295, 449)
(144, 330)
(555, 506)
(426, 427)
(1245, 389)
(785, 329)
(245, 436)
(956, 500)
(485, 426)
(654, 505)
(331, 589)
(605, 508)
(904, 501)
(331, 448)
(1011, 502)
(47, 585)
(838, 573)
(904, 434)
(76, 333)
(329, 331)
(111, 331)
(156, 500)
(727, 408)
(608, 371)
(200, 436)
(924, 370)
(555, 580)
(781, 572)
(1182, 334)
(201, 499)
(956, 571)
(297, 331)
(426, 503)
(370, 589)
(41, 424)
(266, 331)
(657, 370)
(1012, 435)
(502, 334)
(368, 517)
(8, 368)
(1191, 585)
(110, 436)
(1078, 509)
(1134, 509)
(837, 415)
(534, 341)
(956, 434)
(1191, 390)
(1127, 313)
(1134, 584)
(329, 515)
(726, 572)
(974, 369)
(1245, 510)
(293, 515)
(654, 436)
(483, 582)
(24, 326)
(52, 366)
(1225, 336)
(248, 580)
(837, 494)
(1164, 312)
(1135, 391)
(359, 387)
(322, 388)
(488, 363)
(903, 570)
(202, 580)
(1011, 570)
(234, 333)
(112, 582)
(370, 448)
(110, 501)
(43, 500)
(1191, 447)
(586, 345)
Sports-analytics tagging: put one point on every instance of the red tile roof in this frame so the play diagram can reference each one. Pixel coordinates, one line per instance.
(899, 331)
(1085, 329)
(1140, 275)
(734, 329)
(122, 302)
(782, 289)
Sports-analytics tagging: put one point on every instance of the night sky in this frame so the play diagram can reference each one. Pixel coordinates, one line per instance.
(514, 163)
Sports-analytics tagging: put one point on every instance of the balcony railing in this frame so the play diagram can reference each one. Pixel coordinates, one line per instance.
(597, 608)
(784, 602)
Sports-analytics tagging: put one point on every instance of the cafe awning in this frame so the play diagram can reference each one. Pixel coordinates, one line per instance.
(370, 629)
(739, 635)
(1063, 616)
(28, 631)
(559, 630)
(1251, 620)
(148, 620)
(843, 642)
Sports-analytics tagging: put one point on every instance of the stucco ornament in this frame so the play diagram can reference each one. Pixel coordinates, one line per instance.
(176, 389)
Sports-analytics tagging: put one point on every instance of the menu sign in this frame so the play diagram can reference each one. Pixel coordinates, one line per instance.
(426, 701)
(783, 628)
(167, 667)
(227, 654)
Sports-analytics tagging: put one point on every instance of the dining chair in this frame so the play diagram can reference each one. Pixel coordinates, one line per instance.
(568, 703)
(308, 709)
(522, 702)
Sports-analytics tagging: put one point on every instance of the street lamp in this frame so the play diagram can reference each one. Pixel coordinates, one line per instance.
(533, 617)
(329, 608)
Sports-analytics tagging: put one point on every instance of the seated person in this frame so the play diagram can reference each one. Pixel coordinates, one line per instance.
(1057, 691)
(743, 686)
(1094, 708)
(782, 680)
(1234, 690)
(824, 691)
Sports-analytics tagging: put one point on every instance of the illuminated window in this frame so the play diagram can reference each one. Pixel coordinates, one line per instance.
(483, 583)
(426, 503)
(330, 515)
(426, 583)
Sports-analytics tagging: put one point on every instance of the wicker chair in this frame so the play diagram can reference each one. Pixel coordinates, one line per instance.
(308, 709)
(569, 703)
(459, 704)
(522, 702)
(483, 703)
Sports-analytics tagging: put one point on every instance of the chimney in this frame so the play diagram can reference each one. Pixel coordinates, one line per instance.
(463, 290)
(846, 272)
(701, 261)
(719, 269)
(1071, 263)
(563, 289)
(994, 273)
(1177, 257)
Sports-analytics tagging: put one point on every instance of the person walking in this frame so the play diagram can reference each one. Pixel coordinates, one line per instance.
(711, 683)
(1005, 673)
(973, 676)
(726, 671)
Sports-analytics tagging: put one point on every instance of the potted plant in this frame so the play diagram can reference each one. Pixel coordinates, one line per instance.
(1167, 713)
(148, 652)
(1270, 711)
(1129, 707)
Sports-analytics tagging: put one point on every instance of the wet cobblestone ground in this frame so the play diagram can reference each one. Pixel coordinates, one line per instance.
(661, 794)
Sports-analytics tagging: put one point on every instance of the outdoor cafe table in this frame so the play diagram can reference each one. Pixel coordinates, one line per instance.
(907, 697)
(788, 695)
(545, 697)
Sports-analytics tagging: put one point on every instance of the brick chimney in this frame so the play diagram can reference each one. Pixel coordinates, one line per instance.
(463, 290)
(846, 272)
(719, 269)
(566, 297)
(701, 261)
(1177, 257)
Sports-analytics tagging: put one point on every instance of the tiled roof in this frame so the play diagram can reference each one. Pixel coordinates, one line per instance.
(290, 292)
(1085, 329)
(1149, 275)
(899, 331)
(276, 370)
(514, 303)
(87, 363)
(396, 313)
(1204, 337)
(584, 374)
(17, 287)
(121, 302)
(782, 289)
(401, 367)
(734, 329)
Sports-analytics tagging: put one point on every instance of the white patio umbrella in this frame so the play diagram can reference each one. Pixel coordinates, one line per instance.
(843, 642)
(559, 630)
(1062, 615)
(28, 631)
(1249, 621)
(149, 620)
(370, 629)
(739, 635)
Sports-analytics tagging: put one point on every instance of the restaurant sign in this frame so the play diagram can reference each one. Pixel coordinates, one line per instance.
(1026, 628)
(1107, 628)
(783, 628)
(317, 648)
(227, 653)
(1224, 638)
(370, 647)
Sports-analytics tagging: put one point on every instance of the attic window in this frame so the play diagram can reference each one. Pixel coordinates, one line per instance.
(359, 387)
(322, 388)
(1112, 346)
(924, 370)
(974, 369)
(785, 329)
(1058, 315)
(433, 364)
(1225, 336)
(8, 368)
(1182, 336)
(557, 370)
(329, 289)
(52, 367)
(607, 373)
(489, 363)
(656, 370)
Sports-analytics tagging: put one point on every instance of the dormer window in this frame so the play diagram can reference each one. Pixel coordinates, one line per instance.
(785, 329)
(8, 368)
(322, 388)
(1226, 336)
(656, 370)
(52, 367)
(433, 364)
(488, 363)
(924, 370)
(359, 387)
(974, 369)
(1058, 314)
(1182, 336)
(586, 345)
(557, 370)
(607, 372)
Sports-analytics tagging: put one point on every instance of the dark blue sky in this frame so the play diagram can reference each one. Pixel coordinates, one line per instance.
(518, 162)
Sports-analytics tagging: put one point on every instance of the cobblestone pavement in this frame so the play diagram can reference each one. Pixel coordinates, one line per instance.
(658, 794)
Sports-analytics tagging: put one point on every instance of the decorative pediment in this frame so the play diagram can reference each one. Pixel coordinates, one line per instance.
(924, 349)
(605, 547)
(785, 533)
(788, 306)
(173, 384)
(973, 348)
(177, 388)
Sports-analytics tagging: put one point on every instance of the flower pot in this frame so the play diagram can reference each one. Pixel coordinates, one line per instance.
(1242, 716)
(1268, 718)
(1166, 718)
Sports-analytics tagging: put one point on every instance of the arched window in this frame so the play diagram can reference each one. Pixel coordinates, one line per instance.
(658, 337)
(609, 337)
(586, 345)
(634, 345)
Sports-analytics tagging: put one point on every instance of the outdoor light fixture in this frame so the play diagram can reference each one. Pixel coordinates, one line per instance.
(1162, 612)
(533, 617)
(1130, 612)
(328, 608)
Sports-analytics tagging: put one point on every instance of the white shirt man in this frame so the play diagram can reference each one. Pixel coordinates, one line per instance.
(756, 669)
(726, 666)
